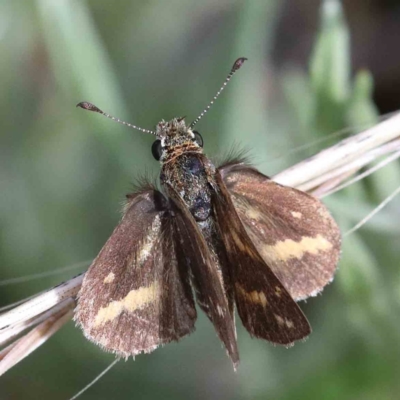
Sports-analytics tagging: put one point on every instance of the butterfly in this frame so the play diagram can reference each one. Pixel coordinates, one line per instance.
(227, 236)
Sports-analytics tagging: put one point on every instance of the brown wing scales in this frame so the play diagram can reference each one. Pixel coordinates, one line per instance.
(135, 295)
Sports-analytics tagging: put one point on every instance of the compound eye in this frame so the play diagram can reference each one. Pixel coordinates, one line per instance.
(156, 150)
(198, 138)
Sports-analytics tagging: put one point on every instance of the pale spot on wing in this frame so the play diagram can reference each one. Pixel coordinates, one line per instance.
(284, 321)
(109, 278)
(289, 323)
(253, 297)
(237, 241)
(278, 291)
(253, 213)
(134, 300)
(296, 214)
(279, 320)
(286, 249)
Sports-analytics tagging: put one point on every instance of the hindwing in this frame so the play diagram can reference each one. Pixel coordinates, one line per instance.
(264, 305)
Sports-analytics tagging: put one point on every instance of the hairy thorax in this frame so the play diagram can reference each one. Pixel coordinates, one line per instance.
(191, 175)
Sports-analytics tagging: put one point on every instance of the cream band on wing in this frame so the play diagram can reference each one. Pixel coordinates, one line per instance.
(134, 300)
(286, 249)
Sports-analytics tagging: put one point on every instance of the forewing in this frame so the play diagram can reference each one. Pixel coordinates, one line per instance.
(292, 230)
(264, 305)
(135, 295)
(206, 277)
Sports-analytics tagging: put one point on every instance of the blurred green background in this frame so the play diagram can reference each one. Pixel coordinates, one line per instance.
(64, 173)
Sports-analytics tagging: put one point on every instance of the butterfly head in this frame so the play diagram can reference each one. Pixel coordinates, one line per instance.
(175, 138)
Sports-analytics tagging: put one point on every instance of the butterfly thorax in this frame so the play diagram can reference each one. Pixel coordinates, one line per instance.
(185, 168)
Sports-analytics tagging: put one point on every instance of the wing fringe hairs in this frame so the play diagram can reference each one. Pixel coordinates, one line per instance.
(29, 324)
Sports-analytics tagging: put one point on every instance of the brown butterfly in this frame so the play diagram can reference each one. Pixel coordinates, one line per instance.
(231, 233)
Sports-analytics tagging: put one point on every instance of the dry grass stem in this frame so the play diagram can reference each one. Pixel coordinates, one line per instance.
(17, 351)
(345, 152)
(41, 303)
(8, 334)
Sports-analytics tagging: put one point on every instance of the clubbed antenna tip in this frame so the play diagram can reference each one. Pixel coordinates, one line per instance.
(237, 64)
(91, 107)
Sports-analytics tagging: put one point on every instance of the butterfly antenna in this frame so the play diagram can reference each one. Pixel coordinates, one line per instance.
(238, 63)
(91, 107)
